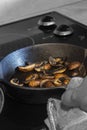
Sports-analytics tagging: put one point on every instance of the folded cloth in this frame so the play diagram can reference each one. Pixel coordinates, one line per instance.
(62, 118)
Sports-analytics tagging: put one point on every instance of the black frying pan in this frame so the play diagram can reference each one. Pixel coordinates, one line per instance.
(33, 54)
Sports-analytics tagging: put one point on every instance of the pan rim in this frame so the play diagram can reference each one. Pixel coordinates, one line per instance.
(44, 44)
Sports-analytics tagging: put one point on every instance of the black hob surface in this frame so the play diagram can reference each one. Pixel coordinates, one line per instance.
(49, 28)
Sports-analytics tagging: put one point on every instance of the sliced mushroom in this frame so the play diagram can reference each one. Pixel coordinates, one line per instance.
(34, 83)
(47, 66)
(16, 82)
(58, 59)
(46, 83)
(74, 65)
(66, 81)
(49, 84)
(26, 68)
(60, 70)
(39, 66)
(43, 67)
(58, 82)
(61, 81)
(54, 61)
(33, 76)
(61, 75)
(74, 73)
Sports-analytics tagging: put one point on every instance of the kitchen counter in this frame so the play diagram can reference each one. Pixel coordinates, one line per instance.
(14, 10)
(77, 11)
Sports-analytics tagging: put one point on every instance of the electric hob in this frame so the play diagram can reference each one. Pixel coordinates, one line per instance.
(50, 28)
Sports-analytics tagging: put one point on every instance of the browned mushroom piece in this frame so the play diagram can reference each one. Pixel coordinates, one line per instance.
(60, 70)
(61, 79)
(46, 83)
(58, 82)
(32, 76)
(75, 73)
(58, 59)
(26, 68)
(61, 75)
(39, 66)
(16, 82)
(74, 65)
(34, 83)
(49, 84)
(66, 81)
(42, 66)
(47, 66)
(54, 61)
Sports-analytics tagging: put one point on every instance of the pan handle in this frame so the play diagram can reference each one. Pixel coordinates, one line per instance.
(2, 94)
(2, 97)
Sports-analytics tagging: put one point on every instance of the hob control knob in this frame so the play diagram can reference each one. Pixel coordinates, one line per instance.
(46, 21)
(63, 30)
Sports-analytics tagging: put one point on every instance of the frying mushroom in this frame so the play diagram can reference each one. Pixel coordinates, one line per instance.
(57, 82)
(74, 65)
(60, 70)
(62, 75)
(54, 61)
(42, 67)
(49, 84)
(39, 66)
(34, 83)
(26, 68)
(46, 83)
(16, 82)
(61, 81)
(66, 81)
(75, 73)
(33, 76)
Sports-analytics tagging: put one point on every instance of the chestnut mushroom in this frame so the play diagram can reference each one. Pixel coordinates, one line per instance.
(62, 75)
(34, 83)
(58, 82)
(26, 68)
(60, 70)
(46, 83)
(32, 76)
(54, 61)
(16, 82)
(74, 65)
(42, 66)
(66, 81)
